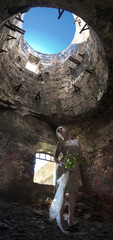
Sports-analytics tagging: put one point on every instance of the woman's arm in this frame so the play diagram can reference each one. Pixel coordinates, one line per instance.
(57, 153)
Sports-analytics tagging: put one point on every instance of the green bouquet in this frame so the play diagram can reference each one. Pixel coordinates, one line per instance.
(70, 162)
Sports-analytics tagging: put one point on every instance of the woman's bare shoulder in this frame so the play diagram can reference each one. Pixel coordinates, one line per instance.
(76, 141)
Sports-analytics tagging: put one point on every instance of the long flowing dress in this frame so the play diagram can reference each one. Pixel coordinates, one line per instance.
(71, 150)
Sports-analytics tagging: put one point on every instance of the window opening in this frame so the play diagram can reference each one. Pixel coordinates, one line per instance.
(45, 168)
(33, 63)
(32, 67)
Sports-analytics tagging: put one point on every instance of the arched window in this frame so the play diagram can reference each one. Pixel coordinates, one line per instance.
(44, 171)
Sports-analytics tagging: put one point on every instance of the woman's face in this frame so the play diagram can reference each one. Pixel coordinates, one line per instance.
(63, 131)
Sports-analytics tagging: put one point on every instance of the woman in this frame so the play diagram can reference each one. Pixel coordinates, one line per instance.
(71, 151)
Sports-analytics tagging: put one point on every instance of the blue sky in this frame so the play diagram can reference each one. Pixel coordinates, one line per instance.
(47, 34)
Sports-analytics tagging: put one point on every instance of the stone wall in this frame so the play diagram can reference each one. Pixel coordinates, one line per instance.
(19, 137)
(57, 85)
(96, 137)
(24, 120)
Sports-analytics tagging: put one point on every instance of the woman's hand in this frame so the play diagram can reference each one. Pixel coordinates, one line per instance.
(59, 163)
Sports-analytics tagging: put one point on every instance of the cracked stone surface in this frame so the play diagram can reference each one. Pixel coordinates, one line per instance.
(32, 221)
(88, 114)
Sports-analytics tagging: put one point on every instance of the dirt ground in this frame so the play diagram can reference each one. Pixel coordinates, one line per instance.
(24, 222)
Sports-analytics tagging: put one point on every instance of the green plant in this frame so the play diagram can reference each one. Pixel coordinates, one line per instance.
(70, 161)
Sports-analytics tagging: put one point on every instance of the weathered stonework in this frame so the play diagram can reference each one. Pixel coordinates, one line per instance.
(88, 113)
(59, 76)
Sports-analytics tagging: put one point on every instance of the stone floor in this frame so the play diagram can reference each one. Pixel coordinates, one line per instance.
(25, 222)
